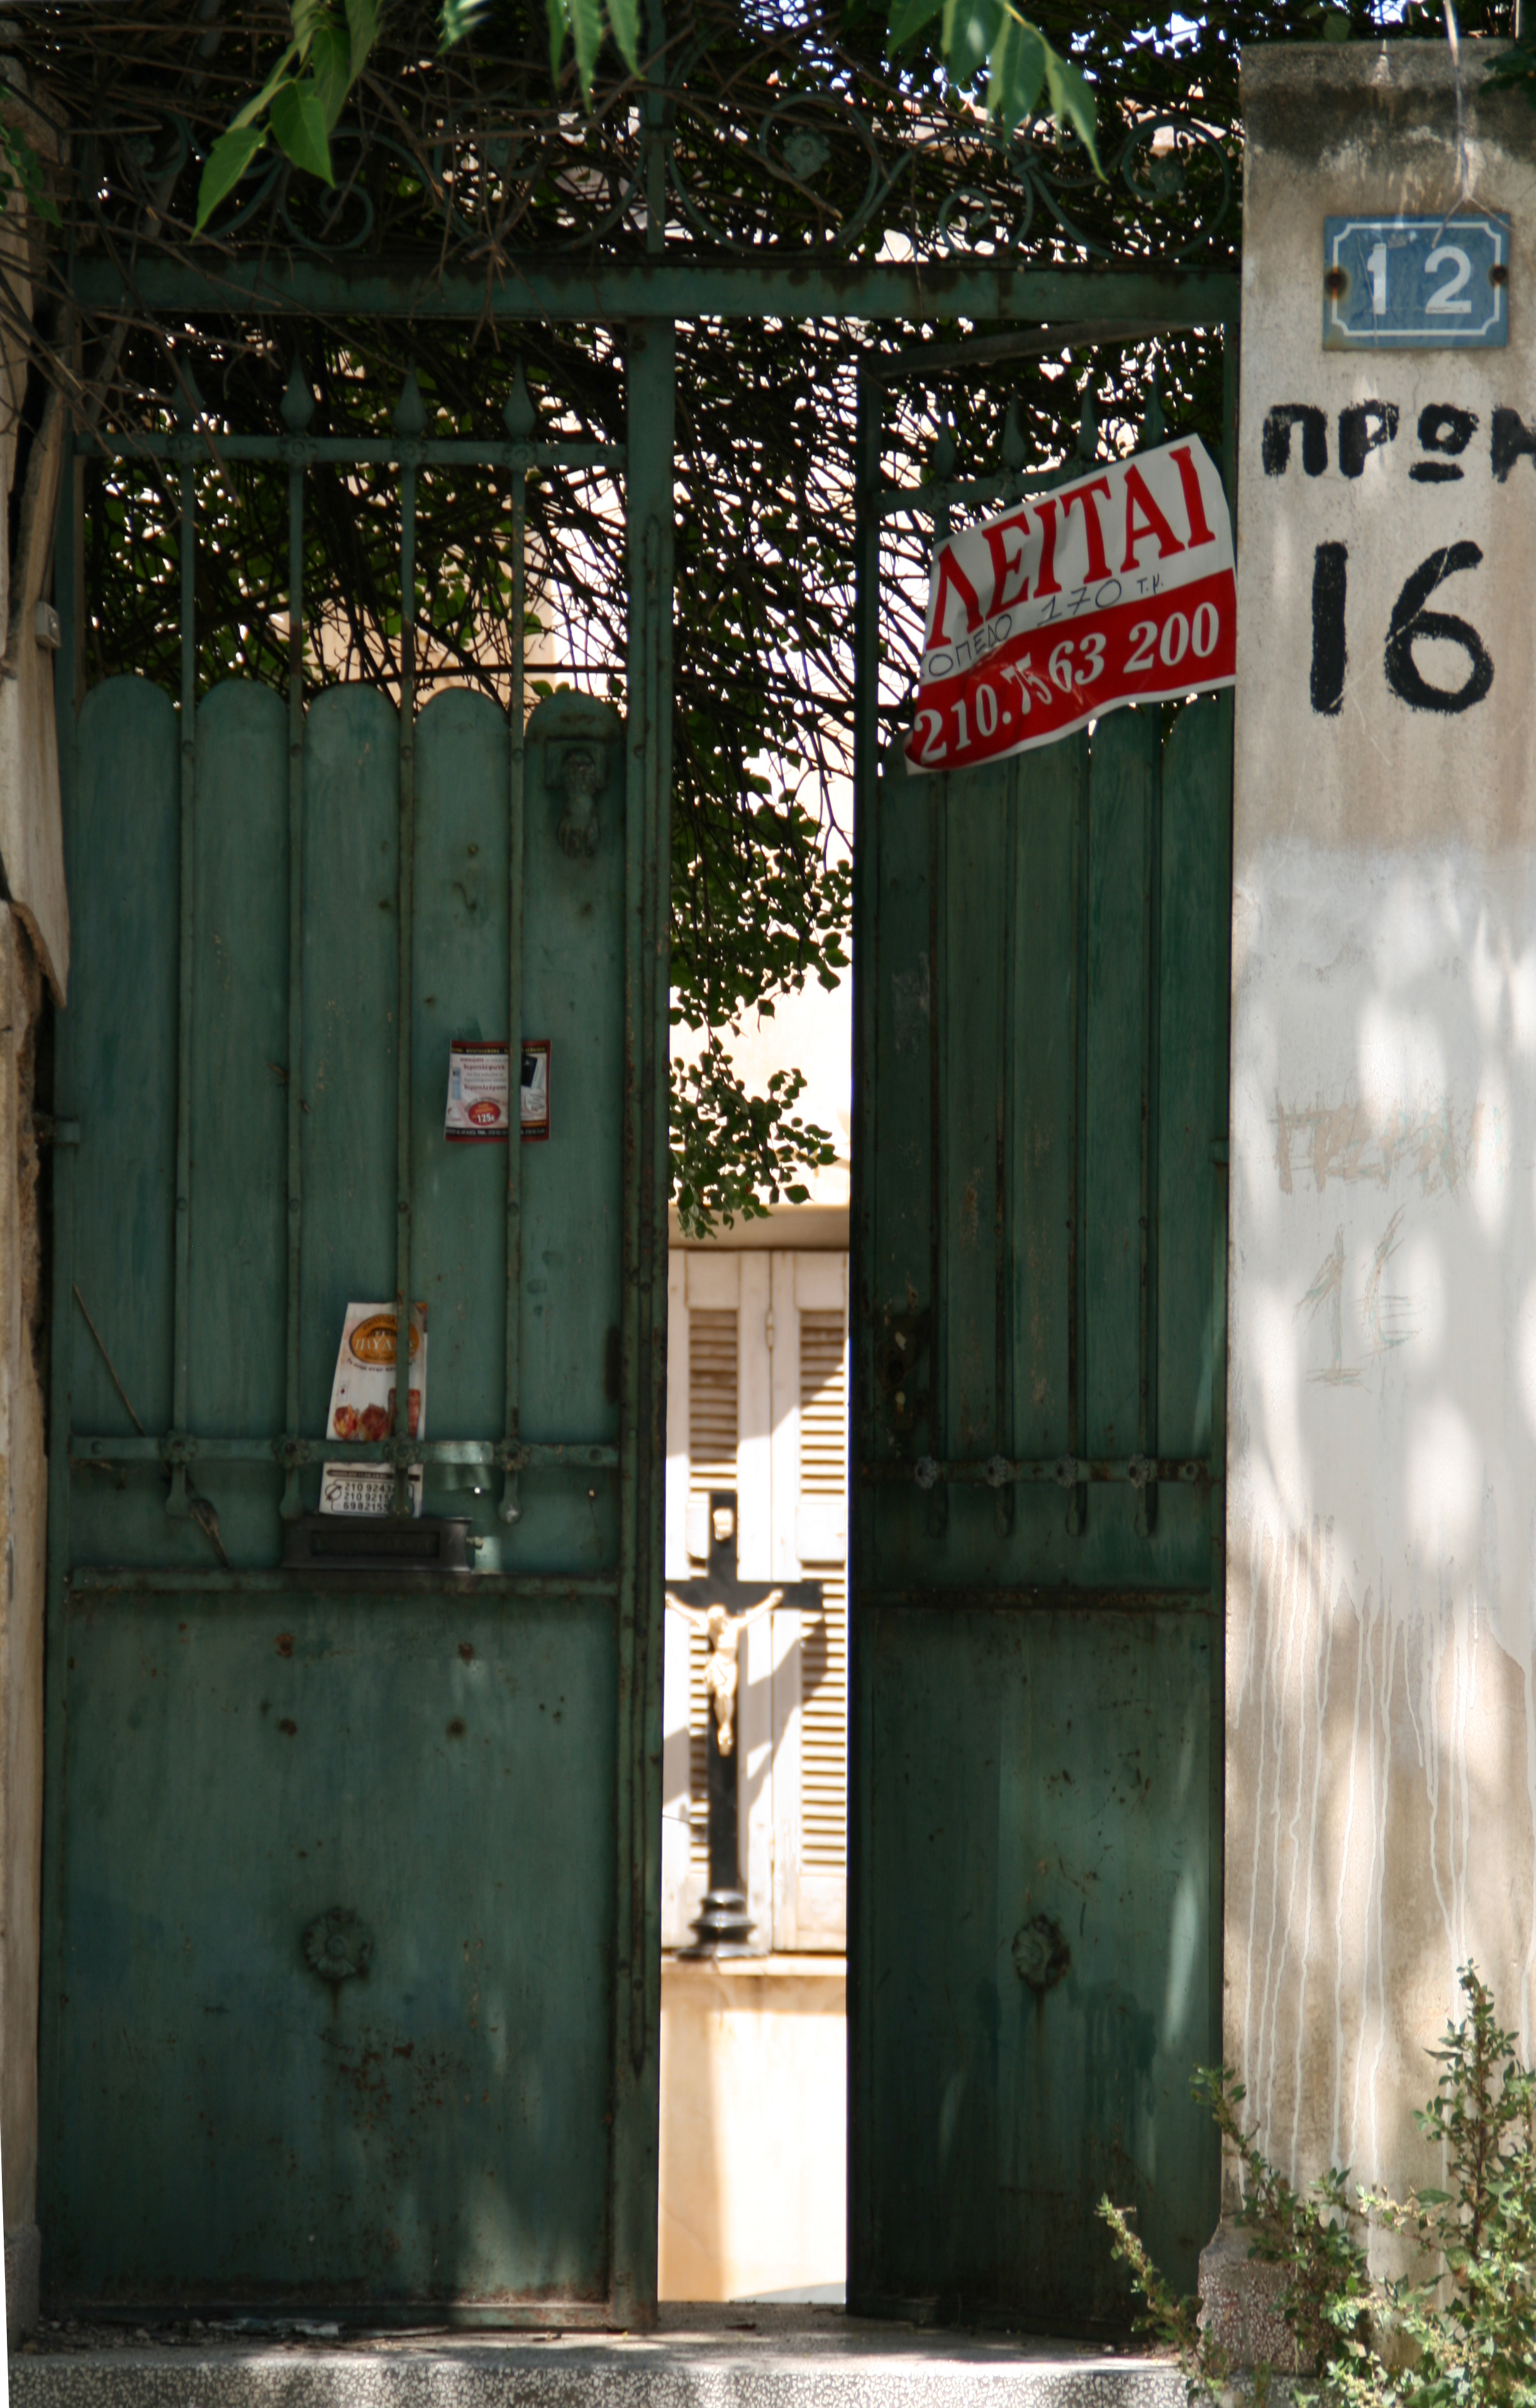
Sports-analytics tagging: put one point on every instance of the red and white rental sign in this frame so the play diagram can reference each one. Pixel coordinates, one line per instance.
(1115, 588)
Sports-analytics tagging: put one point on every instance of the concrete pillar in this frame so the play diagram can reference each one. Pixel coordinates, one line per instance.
(1381, 1709)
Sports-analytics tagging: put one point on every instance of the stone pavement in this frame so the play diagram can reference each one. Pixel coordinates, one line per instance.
(733, 2357)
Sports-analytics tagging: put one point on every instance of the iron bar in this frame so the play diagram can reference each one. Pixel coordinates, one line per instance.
(1036, 1596)
(177, 1446)
(410, 410)
(177, 1503)
(650, 507)
(1147, 1331)
(937, 501)
(1032, 342)
(807, 286)
(346, 450)
(511, 1510)
(1072, 1471)
(108, 1580)
(1077, 1212)
(937, 1025)
(1010, 919)
(292, 1503)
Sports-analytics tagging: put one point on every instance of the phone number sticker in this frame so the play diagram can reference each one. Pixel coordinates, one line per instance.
(1117, 588)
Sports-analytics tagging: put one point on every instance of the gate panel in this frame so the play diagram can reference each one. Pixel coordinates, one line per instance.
(1015, 1767)
(243, 2130)
(1037, 1660)
(349, 1987)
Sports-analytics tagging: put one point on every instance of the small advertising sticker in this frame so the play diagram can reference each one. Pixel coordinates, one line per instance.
(477, 1110)
(477, 1092)
(1117, 587)
(363, 1405)
(536, 1089)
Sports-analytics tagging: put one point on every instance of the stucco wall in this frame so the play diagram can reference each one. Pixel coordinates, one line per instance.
(34, 946)
(1381, 1821)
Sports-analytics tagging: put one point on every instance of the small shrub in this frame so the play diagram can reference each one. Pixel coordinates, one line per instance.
(1461, 2332)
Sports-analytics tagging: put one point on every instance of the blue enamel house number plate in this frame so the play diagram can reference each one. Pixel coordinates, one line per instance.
(1420, 284)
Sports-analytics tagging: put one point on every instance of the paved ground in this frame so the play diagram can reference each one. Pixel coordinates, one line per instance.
(699, 2357)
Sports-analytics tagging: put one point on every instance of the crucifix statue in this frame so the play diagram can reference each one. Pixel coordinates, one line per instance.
(722, 1606)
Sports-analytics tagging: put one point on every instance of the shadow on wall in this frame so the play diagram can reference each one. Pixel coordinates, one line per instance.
(1381, 1711)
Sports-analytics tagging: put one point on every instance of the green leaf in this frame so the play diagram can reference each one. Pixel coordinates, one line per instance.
(624, 16)
(225, 164)
(559, 29)
(363, 31)
(970, 29)
(1072, 104)
(1018, 70)
(331, 67)
(458, 18)
(586, 24)
(298, 124)
(305, 16)
(263, 100)
(907, 18)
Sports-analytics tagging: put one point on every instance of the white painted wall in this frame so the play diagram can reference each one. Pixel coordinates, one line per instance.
(1381, 1518)
(753, 2116)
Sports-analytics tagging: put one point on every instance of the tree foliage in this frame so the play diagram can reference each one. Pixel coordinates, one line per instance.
(762, 734)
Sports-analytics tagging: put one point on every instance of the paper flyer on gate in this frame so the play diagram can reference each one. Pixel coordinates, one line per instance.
(365, 1404)
(1115, 587)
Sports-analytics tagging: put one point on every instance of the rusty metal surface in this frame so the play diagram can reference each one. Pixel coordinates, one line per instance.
(1036, 1660)
(352, 1879)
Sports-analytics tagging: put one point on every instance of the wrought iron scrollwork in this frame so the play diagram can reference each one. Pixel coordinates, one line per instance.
(775, 173)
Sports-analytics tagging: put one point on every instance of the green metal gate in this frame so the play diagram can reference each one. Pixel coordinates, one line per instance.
(1040, 956)
(351, 1980)
(454, 1776)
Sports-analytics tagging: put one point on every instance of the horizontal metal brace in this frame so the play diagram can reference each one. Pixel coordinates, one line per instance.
(1071, 1598)
(794, 285)
(98, 1580)
(177, 1446)
(302, 450)
(48, 1131)
(983, 352)
(1044, 1471)
(923, 501)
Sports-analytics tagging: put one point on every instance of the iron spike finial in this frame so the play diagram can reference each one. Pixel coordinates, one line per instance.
(945, 451)
(1015, 453)
(411, 409)
(298, 402)
(518, 413)
(1154, 424)
(1088, 431)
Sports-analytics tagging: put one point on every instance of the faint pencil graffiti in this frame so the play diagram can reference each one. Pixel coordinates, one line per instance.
(1390, 1318)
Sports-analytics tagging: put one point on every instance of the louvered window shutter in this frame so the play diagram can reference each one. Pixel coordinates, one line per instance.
(757, 1402)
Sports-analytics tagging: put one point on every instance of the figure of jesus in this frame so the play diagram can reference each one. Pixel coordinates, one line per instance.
(722, 1672)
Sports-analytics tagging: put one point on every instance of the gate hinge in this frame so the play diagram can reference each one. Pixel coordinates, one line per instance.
(48, 1131)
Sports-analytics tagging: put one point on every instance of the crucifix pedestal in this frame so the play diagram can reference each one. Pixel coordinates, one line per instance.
(722, 1605)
